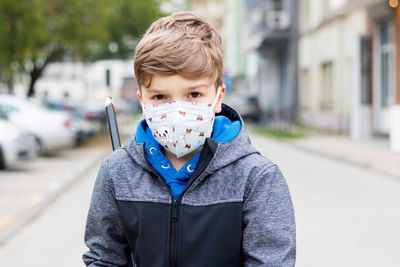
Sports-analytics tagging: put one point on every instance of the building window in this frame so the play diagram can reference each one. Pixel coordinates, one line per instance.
(386, 54)
(274, 5)
(305, 90)
(366, 72)
(108, 77)
(326, 97)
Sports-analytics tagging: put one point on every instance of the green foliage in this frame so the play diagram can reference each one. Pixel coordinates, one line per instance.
(36, 32)
(128, 21)
(278, 134)
(34, 29)
(18, 33)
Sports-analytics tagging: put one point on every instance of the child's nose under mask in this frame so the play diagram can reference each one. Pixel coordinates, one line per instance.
(181, 127)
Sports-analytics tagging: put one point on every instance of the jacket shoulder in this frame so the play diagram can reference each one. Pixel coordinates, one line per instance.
(118, 165)
(116, 155)
(255, 162)
(117, 159)
(259, 170)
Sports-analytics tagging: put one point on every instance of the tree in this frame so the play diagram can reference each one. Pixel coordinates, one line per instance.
(34, 33)
(128, 21)
(17, 23)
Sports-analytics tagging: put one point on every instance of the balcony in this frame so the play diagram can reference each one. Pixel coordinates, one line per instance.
(270, 23)
(276, 20)
(276, 27)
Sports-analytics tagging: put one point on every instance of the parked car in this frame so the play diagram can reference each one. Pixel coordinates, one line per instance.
(82, 127)
(246, 105)
(93, 111)
(15, 144)
(52, 129)
(127, 106)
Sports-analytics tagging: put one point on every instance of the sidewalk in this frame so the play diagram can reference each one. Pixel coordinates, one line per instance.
(373, 154)
(26, 191)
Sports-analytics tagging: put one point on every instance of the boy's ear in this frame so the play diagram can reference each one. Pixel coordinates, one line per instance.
(139, 95)
(218, 105)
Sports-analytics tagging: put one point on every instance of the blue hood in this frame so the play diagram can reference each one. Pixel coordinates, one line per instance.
(224, 130)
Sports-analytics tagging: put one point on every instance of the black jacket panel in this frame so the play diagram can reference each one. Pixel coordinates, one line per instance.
(201, 239)
(146, 227)
(210, 235)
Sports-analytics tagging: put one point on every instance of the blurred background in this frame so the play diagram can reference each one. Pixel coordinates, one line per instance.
(316, 81)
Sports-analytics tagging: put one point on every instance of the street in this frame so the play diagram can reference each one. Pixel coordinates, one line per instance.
(346, 215)
(55, 238)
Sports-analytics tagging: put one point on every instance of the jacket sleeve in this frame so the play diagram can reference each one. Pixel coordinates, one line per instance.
(104, 235)
(269, 232)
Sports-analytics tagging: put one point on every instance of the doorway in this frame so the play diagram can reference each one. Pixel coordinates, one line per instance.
(384, 76)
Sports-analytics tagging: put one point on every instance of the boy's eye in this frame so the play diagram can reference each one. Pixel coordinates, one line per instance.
(158, 97)
(194, 95)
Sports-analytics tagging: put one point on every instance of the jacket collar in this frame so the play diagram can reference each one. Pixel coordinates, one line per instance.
(218, 154)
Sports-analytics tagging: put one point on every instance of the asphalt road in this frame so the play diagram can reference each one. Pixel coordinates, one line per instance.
(346, 216)
(55, 238)
(30, 186)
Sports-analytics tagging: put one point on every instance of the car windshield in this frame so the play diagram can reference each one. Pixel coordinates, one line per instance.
(2, 114)
(5, 110)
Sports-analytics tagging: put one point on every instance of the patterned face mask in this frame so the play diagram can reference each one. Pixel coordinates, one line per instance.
(181, 127)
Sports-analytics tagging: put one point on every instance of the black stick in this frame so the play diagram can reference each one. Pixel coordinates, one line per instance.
(112, 123)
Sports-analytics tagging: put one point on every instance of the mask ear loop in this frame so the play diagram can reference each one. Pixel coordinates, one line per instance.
(141, 103)
(216, 98)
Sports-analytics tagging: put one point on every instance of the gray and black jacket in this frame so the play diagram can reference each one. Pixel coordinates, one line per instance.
(236, 210)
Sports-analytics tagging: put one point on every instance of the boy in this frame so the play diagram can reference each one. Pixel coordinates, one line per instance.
(188, 190)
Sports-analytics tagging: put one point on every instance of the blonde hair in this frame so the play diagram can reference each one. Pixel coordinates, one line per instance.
(182, 43)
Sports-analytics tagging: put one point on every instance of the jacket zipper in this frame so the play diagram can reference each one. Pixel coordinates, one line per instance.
(174, 232)
(175, 208)
(174, 215)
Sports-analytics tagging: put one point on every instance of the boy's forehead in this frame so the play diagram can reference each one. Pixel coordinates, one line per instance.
(164, 82)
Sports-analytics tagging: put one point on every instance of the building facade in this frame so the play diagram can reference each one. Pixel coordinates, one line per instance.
(348, 61)
(270, 39)
(79, 82)
(385, 52)
(329, 49)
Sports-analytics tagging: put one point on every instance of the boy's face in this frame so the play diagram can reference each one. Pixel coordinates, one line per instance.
(169, 88)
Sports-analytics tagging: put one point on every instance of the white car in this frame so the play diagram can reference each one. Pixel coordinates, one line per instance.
(15, 144)
(52, 129)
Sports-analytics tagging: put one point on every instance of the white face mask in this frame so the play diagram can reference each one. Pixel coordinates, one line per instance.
(181, 127)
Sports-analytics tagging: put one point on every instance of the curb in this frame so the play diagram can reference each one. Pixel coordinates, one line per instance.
(391, 174)
(30, 214)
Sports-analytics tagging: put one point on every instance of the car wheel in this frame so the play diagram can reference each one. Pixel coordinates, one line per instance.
(38, 147)
(80, 138)
(2, 160)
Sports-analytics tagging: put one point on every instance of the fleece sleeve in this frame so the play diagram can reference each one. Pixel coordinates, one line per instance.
(104, 235)
(269, 232)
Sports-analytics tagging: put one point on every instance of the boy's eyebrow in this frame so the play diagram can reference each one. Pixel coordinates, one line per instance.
(158, 90)
(154, 90)
(197, 86)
